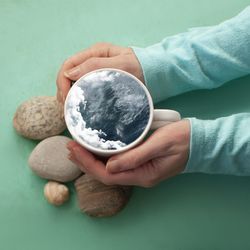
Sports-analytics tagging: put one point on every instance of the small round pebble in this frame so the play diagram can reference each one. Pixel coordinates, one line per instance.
(49, 160)
(39, 118)
(56, 193)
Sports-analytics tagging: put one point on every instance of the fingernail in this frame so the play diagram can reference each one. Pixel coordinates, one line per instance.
(70, 145)
(75, 151)
(70, 156)
(73, 72)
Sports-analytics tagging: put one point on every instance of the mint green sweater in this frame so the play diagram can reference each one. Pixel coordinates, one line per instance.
(205, 58)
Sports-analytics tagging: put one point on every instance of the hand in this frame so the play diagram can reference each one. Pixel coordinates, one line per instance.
(163, 155)
(101, 55)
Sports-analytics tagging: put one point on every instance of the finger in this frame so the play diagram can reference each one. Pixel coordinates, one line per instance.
(63, 83)
(133, 158)
(92, 166)
(58, 97)
(95, 63)
(157, 145)
(87, 162)
(97, 50)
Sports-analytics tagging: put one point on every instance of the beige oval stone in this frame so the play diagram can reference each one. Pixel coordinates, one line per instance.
(99, 200)
(49, 160)
(39, 118)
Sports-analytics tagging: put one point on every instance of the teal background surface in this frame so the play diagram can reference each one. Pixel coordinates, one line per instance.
(186, 212)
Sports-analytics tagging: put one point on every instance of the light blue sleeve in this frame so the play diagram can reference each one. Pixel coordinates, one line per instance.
(205, 58)
(220, 146)
(202, 58)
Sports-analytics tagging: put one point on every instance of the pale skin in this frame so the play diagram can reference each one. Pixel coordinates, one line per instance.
(163, 155)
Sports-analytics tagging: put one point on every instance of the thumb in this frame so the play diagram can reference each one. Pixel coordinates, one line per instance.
(132, 158)
(94, 63)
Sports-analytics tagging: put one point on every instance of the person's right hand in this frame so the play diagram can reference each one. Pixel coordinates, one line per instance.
(163, 155)
(101, 55)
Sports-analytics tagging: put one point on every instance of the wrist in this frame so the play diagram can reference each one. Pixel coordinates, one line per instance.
(184, 143)
(178, 137)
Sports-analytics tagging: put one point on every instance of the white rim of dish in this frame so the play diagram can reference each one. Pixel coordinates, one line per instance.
(132, 144)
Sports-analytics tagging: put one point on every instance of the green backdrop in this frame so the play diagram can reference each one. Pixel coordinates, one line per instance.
(186, 212)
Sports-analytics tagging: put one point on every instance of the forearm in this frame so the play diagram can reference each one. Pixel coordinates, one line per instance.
(220, 146)
(198, 59)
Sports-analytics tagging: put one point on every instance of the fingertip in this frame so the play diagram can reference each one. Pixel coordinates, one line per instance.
(63, 98)
(73, 73)
(64, 93)
(71, 144)
(81, 153)
(70, 156)
(64, 86)
(58, 96)
(77, 151)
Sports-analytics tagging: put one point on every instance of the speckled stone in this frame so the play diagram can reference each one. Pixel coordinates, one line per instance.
(39, 118)
(99, 200)
(49, 160)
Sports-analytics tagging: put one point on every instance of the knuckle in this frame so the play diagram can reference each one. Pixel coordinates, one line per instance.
(101, 45)
(92, 63)
(126, 64)
(135, 160)
(131, 160)
(128, 161)
(127, 51)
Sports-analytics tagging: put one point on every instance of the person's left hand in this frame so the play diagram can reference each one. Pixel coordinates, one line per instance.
(100, 55)
(164, 154)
